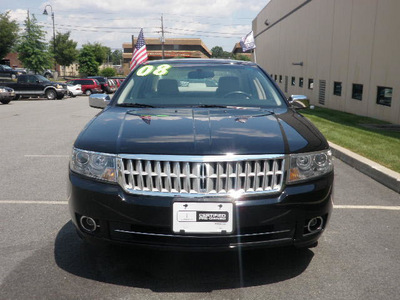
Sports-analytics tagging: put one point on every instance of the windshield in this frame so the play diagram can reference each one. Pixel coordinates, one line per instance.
(199, 84)
(41, 78)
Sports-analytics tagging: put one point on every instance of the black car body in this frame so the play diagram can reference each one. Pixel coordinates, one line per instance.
(8, 72)
(198, 166)
(37, 85)
(6, 94)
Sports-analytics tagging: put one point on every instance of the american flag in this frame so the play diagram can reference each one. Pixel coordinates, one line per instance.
(139, 56)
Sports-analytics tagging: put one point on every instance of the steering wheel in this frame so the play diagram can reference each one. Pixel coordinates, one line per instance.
(241, 93)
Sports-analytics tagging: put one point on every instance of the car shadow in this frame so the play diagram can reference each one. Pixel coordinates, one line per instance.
(172, 271)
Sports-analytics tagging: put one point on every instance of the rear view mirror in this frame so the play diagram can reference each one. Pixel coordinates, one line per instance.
(99, 100)
(200, 74)
(299, 101)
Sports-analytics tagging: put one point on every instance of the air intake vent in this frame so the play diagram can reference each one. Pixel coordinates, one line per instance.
(322, 88)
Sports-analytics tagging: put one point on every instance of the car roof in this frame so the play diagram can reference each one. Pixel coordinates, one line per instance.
(211, 61)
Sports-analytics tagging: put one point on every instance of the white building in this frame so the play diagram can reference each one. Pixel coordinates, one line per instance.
(343, 54)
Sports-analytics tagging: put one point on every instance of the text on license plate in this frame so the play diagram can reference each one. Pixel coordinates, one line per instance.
(203, 217)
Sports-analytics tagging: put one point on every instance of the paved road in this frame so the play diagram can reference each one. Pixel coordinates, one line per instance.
(41, 257)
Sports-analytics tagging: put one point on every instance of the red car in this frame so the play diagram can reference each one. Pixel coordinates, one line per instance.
(89, 85)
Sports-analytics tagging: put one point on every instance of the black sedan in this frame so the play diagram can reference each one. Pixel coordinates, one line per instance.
(175, 162)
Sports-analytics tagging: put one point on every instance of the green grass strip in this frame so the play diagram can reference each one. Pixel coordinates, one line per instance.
(356, 134)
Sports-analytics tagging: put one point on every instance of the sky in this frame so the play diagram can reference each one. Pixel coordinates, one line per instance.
(113, 22)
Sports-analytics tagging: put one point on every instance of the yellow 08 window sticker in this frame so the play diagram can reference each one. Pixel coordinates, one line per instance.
(161, 70)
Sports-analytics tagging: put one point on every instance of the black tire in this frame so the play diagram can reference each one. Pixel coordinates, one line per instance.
(60, 97)
(5, 101)
(88, 92)
(51, 94)
(17, 97)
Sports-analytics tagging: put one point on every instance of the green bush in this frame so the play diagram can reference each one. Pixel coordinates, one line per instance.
(108, 72)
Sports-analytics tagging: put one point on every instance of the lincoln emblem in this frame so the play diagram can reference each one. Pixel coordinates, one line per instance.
(203, 178)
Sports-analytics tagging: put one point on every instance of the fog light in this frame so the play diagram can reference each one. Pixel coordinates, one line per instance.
(315, 224)
(88, 224)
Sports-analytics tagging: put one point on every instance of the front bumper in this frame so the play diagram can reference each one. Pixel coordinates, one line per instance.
(61, 92)
(259, 221)
(7, 95)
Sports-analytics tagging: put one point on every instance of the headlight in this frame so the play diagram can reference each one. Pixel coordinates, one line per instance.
(309, 165)
(3, 90)
(100, 166)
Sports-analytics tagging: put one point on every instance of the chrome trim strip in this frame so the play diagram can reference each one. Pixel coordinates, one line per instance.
(201, 236)
(205, 158)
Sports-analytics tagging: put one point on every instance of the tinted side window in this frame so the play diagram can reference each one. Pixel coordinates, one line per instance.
(22, 79)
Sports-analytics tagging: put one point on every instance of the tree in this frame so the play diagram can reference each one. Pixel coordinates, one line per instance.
(32, 49)
(241, 57)
(108, 72)
(8, 34)
(218, 52)
(65, 50)
(100, 52)
(87, 61)
(116, 57)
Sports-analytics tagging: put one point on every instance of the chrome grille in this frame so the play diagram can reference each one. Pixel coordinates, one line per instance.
(203, 175)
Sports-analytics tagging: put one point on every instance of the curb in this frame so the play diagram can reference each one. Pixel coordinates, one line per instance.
(383, 175)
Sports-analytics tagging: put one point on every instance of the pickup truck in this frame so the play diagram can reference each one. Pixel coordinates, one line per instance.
(37, 85)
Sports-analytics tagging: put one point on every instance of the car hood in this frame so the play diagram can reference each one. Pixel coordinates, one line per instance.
(199, 131)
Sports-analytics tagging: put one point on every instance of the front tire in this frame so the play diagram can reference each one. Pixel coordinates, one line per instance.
(5, 101)
(51, 94)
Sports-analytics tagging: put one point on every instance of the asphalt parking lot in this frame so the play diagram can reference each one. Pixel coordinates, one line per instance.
(41, 256)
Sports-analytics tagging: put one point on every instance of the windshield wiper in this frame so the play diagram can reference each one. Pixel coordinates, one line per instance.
(211, 106)
(135, 105)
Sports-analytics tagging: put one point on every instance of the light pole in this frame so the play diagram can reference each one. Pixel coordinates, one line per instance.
(54, 32)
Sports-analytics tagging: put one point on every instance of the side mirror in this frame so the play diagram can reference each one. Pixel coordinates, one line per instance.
(299, 101)
(99, 100)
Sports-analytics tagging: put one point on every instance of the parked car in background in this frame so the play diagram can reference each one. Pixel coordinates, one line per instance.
(36, 86)
(8, 72)
(201, 167)
(104, 83)
(112, 84)
(74, 90)
(118, 80)
(46, 73)
(6, 94)
(88, 85)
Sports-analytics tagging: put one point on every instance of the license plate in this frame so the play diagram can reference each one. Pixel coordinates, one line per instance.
(200, 217)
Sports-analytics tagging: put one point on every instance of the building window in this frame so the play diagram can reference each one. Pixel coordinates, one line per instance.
(384, 96)
(276, 77)
(293, 81)
(280, 78)
(310, 83)
(337, 88)
(301, 81)
(357, 91)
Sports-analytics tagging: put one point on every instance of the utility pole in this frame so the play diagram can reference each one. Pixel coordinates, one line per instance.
(54, 33)
(29, 22)
(162, 36)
